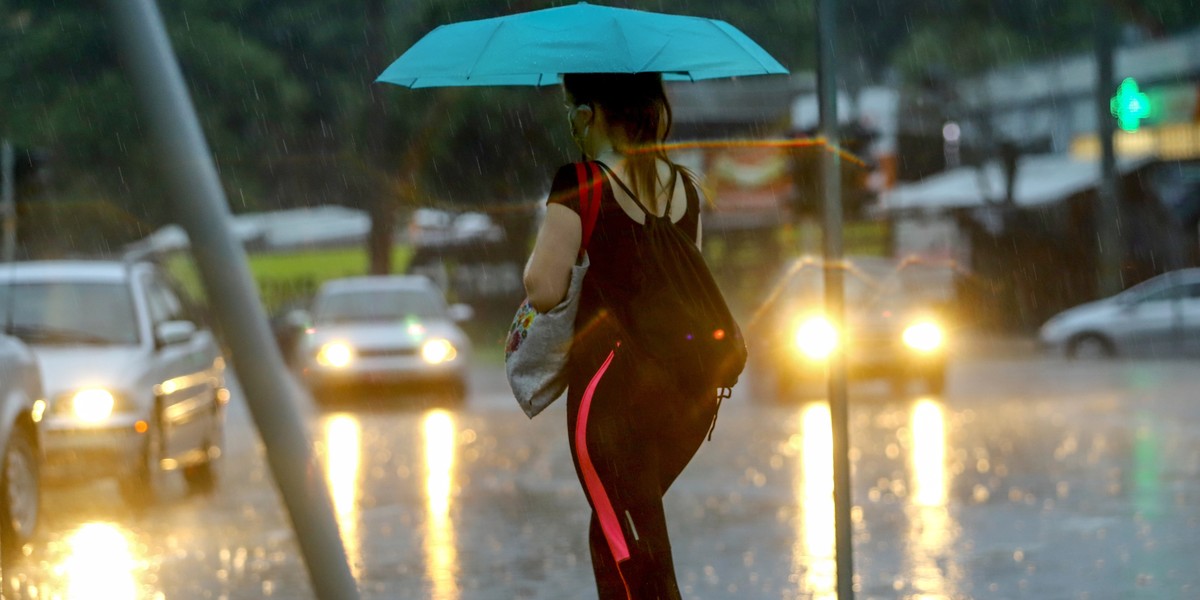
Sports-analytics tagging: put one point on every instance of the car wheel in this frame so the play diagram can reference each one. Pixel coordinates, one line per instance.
(1090, 346)
(935, 381)
(790, 387)
(141, 486)
(20, 505)
(783, 388)
(201, 478)
(761, 383)
(456, 392)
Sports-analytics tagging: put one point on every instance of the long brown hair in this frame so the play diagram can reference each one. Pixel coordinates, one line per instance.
(637, 104)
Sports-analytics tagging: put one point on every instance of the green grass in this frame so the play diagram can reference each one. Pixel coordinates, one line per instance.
(320, 264)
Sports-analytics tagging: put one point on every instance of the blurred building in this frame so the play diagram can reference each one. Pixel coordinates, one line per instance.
(1028, 256)
(1051, 107)
(756, 186)
(1000, 173)
(761, 168)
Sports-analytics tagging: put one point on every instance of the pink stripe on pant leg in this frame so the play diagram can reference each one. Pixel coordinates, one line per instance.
(609, 523)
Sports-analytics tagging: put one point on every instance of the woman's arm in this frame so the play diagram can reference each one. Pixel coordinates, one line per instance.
(548, 272)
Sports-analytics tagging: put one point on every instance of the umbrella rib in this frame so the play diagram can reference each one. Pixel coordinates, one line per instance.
(724, 27)
(624, 38)
(483, 50)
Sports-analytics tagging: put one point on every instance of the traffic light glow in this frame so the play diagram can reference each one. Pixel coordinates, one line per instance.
(1130, 105)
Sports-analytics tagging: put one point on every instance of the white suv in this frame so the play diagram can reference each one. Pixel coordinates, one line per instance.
(134, 382)
(383, 330)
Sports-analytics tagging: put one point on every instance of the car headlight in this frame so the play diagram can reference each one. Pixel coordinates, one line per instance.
(92, 405)
(816, 337)
(925, 336)
(437, 351)
(38, 411)
(335, 354)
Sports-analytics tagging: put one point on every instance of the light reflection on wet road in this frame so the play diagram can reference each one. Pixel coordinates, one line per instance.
(1030, 479)
(815, 558)
(441, 556)
(98, 557)
(343, 465)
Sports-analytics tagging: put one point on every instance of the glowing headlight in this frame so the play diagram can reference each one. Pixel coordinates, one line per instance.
(925, 336)
(438, 351)
(335, 354)
(816, 337)
(39, 410)
(92, 405)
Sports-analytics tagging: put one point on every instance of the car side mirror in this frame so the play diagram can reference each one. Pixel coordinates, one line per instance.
(174, 332)
(460, 312)
(297, 319)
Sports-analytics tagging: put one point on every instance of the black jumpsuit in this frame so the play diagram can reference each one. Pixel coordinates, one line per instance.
(632, 430)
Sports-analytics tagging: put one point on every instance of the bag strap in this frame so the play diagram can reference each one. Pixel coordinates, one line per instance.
(689, 189)
(670, 196)
(590, 195)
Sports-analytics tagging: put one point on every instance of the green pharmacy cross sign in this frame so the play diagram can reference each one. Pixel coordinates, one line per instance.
(1130, 105)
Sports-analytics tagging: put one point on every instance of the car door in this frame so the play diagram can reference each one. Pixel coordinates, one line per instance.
(1153, 323)
(1189, 304)
(185, 382)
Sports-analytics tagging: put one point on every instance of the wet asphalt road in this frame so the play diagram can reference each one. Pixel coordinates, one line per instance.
(1030, 478)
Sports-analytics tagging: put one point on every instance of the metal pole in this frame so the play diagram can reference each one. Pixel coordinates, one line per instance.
(8, 206)
(831, 176)
(200, 207)
(1108, 211)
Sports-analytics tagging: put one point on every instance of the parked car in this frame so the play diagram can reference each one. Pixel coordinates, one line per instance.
(896, 326)
(134, 381)
(383, 330)
(22, 406)
(1158, 317)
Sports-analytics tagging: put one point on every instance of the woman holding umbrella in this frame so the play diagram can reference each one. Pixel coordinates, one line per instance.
(632, 430)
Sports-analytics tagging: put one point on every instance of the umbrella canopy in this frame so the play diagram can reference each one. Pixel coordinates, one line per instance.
(538, 47)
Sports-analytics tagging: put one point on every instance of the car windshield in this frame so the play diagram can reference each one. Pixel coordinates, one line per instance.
(869, 284)
(378, 305)
(806, 285)
(1168, 286)
(918, 283)
(70, 313)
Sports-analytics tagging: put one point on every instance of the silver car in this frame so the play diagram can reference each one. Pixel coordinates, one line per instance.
(383, 330)
(22, 406)
(134, 382)
(1158, 317)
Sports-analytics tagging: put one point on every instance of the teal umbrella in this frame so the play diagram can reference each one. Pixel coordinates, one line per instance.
(538, 47)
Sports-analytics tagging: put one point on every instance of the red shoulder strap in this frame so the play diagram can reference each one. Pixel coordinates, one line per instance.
(590, 194)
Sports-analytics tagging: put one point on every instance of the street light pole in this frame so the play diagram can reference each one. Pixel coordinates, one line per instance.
(831, 176)
(1108, 211)
(201, 208)
(8, 204)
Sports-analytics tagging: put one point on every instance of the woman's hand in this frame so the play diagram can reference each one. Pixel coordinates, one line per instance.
(548, 272)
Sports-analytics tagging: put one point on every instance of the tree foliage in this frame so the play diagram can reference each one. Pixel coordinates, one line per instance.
(965, 37)
(284, 89)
